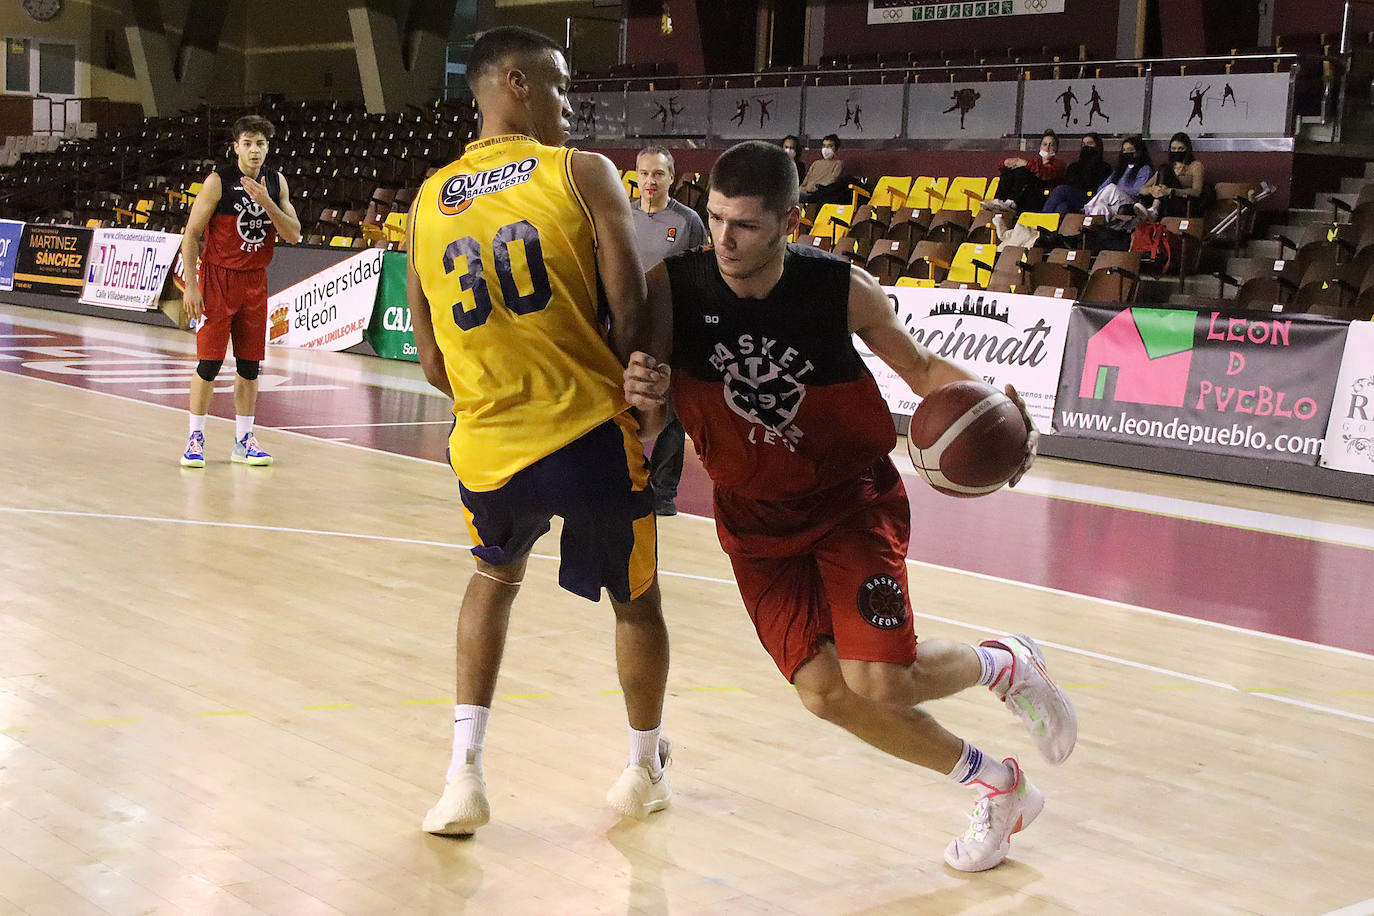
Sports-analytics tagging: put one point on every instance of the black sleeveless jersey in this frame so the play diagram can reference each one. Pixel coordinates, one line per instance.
(241, 235)
(778, 402)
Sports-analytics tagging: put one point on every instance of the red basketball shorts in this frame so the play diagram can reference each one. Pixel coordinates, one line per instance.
(235, 305)
(831, 565)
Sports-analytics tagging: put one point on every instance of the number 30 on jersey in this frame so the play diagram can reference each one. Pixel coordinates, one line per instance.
(469, 251)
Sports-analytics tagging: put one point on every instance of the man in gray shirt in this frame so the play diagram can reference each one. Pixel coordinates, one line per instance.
(664, 227)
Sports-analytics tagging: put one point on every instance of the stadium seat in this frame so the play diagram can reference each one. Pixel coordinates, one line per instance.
(891, 191)
(1047, 221)
(908, 225)
(927, 193)
(888, 260)
(1115, 277)
(963, 269)
(930, 260)
(965, 193)
(833, 221)
(822, 242)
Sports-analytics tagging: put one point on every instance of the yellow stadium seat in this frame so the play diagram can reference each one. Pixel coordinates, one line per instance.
(965, 193)
(1047, 221)
(395, 226)
(927, 193)
(826, 224)
(341, 241)
(991, 193)
(962, 268)
(913, 281)
(891, 191)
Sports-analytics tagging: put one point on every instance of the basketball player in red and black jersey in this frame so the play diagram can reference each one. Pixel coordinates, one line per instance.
(795, 436)
(241, 209)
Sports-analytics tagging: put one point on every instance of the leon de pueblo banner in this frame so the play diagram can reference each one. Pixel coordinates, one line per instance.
(1350, 434)
(127, 267)
(328, 310)
(1002, 337)
(52, 259)
(1230, 383)
(10, 233)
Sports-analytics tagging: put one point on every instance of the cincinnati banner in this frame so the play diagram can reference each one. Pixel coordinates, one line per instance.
(1230, 383)
(1003, 338)
(328, 310)
(127, 267)
(885, 12)
(10, 233)
(52, 259)
(1350, 434)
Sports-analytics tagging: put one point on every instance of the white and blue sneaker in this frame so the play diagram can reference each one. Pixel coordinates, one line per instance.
(246, 451)
(194, 456)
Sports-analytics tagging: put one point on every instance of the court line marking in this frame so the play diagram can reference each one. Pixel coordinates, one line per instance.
(1073, 650)
(1363, 908)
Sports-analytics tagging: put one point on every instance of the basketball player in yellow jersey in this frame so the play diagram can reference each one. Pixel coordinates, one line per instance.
(507, 247)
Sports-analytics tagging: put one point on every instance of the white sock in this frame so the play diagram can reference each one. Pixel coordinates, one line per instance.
(469, 731)
(242, 426)
(996, 663)
(644, 749)
(197, 423)
(978, 769)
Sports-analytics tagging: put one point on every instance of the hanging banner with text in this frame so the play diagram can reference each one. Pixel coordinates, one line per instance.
(1350, 434)
(883, 12)
(1221, 382)
(52, 259)
(389, 333)
(10, 233)
(127, 267)
(1005, 338)
(328, 310)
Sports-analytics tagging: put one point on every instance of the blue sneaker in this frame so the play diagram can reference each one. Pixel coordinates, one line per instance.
(194, 456)
(246, 451)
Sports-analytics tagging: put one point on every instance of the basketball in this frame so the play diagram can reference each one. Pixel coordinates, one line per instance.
(967, 439)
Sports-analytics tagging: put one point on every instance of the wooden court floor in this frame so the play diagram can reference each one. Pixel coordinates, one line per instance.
(227, 691)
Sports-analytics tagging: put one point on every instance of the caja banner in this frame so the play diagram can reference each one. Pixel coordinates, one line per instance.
(389, 332)
(1230, 383)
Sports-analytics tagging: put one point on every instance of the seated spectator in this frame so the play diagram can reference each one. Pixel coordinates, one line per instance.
(1084, 176)
(1175, 186)
(792, 146)
(1126, 182)
(826, 176)
(1022, 182)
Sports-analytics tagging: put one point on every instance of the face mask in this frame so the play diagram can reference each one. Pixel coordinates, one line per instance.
(827, 153)
(1176, 156)
(1046, 155)
(1130, 158)
(790, 151)
(1089, 152)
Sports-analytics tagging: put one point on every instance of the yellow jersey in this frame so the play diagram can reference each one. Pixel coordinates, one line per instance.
(505, 250)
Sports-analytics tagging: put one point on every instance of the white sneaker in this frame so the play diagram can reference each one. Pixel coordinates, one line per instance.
(463, 806)
(637, 793)
(1030, 693)
(996, 816)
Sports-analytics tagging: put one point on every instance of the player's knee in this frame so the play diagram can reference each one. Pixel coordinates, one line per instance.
(248, 369)
(207, 369)
(890, 686)
(829, 703)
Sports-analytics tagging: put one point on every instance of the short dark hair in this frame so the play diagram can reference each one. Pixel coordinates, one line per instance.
(833, 138)
(757, 169)
(496, 43)
(656, 150)
(252, 124)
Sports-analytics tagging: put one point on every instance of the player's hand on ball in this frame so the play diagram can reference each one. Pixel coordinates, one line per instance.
(1032, 435)
(646, 381)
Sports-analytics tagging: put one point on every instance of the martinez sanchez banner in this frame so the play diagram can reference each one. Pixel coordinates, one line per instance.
(127, 267)
(1350, 434)
(1004, 338)
(10, 233)
(1230, 383)
(390, 333)
(328, 310)
(52, 259)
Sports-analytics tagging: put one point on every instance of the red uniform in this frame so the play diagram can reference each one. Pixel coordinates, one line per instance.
(233, 270)
(795, 436)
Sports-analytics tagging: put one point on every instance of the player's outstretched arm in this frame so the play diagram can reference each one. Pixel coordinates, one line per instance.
(196, 224)
(871, 316)
(426, 346)
(617, 254)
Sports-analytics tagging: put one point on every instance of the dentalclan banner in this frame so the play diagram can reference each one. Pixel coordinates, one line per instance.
(127, 267)
(1230, 383)
(52, 259)
(1004, 338)
(1350, 434)
(328, 310)
(10, 233)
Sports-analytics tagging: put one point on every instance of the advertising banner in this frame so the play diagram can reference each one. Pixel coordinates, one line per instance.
(10, 233)
(1230, 383)
(1005, 338)
(1115, 106)
(52, 259)
(127, 267)
(600, 116)
(748, 114)
(963, 111)
(389, 333)
(1240, 104)
(1350, 434)
(883, 12)
(328, 310)
(667, 113)
(852, 112)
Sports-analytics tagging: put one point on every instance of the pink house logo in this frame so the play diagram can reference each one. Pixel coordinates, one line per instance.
(1141, 356)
